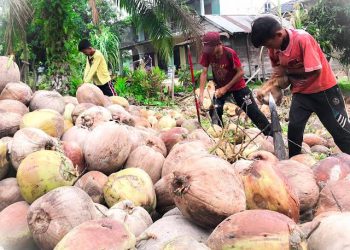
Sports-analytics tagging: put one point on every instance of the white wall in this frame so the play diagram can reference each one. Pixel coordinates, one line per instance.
(244, 7)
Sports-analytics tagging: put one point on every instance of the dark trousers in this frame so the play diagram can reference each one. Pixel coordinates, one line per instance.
(108, 89)
(329, 107)
(246, 101)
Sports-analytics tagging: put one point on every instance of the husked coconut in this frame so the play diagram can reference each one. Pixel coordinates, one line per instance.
(263, 155)
(132, 184)
(257, 229)
(305, 159)
(44, 99)
(302, 180)
(174, 211)
(120, 115)
(49, 121)
(167, 229)
(185, 243)
(4, 164)
(165, 201)
(241, 165)
(137, 219)
(17, 91)
(147, 159)
(92, 183)
(173, 136)
(193, 187)
(73, 151)
(27, 141)
(201, 135)
(9, 123)
(120, 101)
(166, 123)
(93, 117)
(267, 188)
(68, 109)
(9, 193)
(14, 230)
(190, 124)
(80, 108)
(313, 139)
(56, 213)
(89, 93)
(70, 99)
(13, 106)
(107, 148)
(43, 171)
(98, 234)
(77, 135)
(9, 72)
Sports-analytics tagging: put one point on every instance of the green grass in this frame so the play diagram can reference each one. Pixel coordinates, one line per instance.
(344, 85)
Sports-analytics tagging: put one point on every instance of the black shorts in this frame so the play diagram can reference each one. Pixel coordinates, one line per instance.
(108, 89)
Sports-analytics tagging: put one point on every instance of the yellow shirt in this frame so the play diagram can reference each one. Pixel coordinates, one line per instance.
(97, 72)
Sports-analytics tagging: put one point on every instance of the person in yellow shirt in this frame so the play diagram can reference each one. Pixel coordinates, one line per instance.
(96, 70)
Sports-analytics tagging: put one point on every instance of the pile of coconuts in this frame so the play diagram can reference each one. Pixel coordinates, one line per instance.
(91, 172)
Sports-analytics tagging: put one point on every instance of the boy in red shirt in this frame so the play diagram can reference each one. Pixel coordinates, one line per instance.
(228, 77)
(296, 54)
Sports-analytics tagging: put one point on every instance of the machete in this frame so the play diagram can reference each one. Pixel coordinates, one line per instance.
(194, 84)
(278, 143)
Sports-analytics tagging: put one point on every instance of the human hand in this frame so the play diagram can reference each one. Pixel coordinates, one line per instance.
(220, 92)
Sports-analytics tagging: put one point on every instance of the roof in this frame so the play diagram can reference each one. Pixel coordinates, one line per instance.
(236, 23)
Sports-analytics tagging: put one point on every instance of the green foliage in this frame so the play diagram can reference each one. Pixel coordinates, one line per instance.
(329, 24)
(185, 79)
(344, 85)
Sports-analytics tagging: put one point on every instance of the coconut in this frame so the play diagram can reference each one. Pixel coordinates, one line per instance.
(74, 152)
(14, 230)
(9, 193)
(77, 135)
(27, 141)
(263, 155)
(92, 183)
(180, 152)
(17, 91)
(184, 243)
(334, 197)
(174, 211)
(70, 99)
(9, 72)
(258, 230)
(168, 229)
(147, 159)
(215, 131)
(313, 139)
(93, 117)
(132, 184)
(13, 106)
(120, 101)
(56, 213)
(166, 123)
(43, 171)
(68, 110)
(89, 93)
(305, 159)
(331, 233)
(49, 121)
(4, 164)
(44, 99)
(241, 165)
(141, 122)
(120, 115)
(80, 108)
(332, 168)
(165, 201)
(320, 149)
(107, 148)
(137, 219)
(98, 234)
(101, 210)
(67, 125)
(192, 190)
(173, 136)
(302, 180)
(9, 123)
(267, 188)
(201, 135)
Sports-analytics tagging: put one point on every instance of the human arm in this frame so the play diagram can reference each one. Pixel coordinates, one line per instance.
(202, 82)
(223, 90)
(92, 71)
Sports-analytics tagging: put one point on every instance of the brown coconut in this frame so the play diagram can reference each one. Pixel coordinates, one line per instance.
(334, 197)
(302, 180)
(141, 122)
(305, 159)
(27, 141)
(147, 159)
(44, 99)
(332, 168)
(14, 230)
(120, 115)
(258, 230)
(267, 188)
(165, 201)
(173, 136)
(9, 192)
(89, 93)
(201, 135)
(56, 213)
(13, 106)
(180, 152)
(241, 165)
(193, 186)
(77, 135)
(49, 121)
(191, 125)
(263, 155)
(185, 243)
(70, 99)
(167, 229)
(98, 234)
(75, 153)
(80, 108)
(17, 91)
(92, 183)
(4, 163)
(9, 123)
(68, 110)
(107, 148)
(9, 72)
(120, 101)
(313, 139)
(93, 117)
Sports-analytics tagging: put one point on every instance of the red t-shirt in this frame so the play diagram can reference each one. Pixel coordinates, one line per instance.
(224, 68)
(304, 52)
